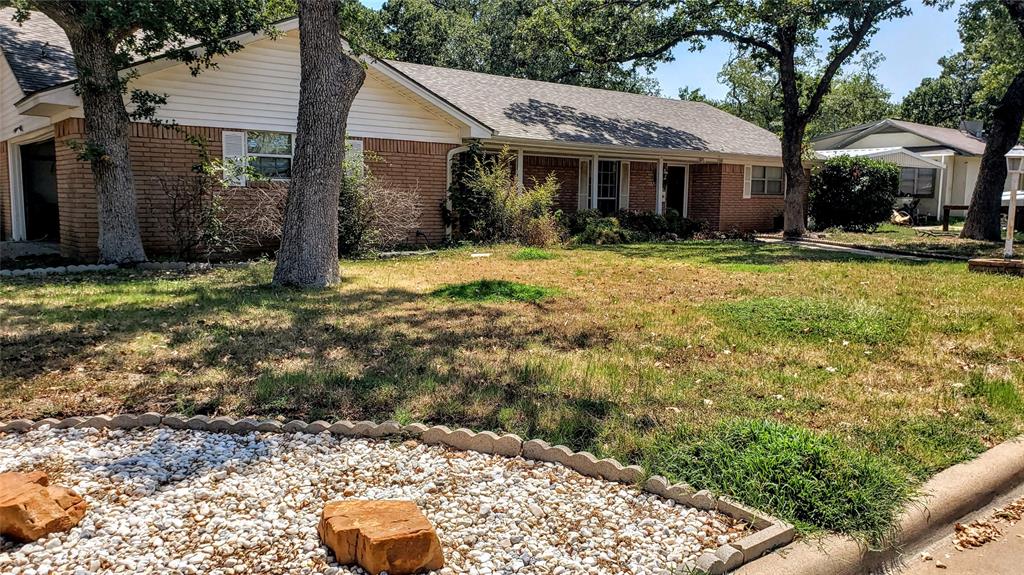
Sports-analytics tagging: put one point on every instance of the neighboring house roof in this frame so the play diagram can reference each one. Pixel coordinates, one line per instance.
(533, 110)
(958, 140)
(899, 156)
(513, 108)
(37, 51)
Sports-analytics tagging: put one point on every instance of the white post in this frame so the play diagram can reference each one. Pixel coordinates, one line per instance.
(519, 170)
(659, 202)
(1011, 215)
(593, 182)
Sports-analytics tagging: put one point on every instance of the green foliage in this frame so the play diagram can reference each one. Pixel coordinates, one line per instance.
(493, 291)
(627, 226)
(853, 193)
(950, 98)
(784, 318)
(972, 81)
(531, 254)
(491, 36)
(490, 206)
(814, 480)
(603, 231)
(923, 446)
(754, 94)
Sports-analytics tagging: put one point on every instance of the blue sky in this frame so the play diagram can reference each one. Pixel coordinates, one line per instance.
(911, 47)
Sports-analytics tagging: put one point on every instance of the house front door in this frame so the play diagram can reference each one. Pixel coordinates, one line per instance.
(675, 189)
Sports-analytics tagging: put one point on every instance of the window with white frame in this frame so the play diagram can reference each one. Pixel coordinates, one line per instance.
(917, 182)
(270, 154)
(766, 181)
(607, 186)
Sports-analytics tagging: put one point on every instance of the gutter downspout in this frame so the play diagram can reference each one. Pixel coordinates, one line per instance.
(448, 184)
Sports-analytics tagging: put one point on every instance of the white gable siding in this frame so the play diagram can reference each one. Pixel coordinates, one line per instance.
(258, 88)
(900, 139)
(10, 119)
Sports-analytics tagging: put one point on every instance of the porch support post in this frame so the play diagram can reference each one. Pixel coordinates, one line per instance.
(17, 191)
(519, 170)
(593, 182)
(659, 204)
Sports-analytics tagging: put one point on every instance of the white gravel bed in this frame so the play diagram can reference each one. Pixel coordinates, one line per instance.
(180, 501)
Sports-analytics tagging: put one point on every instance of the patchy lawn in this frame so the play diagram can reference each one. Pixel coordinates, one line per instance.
(927, 239)
(728, 365)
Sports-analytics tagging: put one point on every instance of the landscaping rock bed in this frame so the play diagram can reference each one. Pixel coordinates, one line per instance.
(190, 501)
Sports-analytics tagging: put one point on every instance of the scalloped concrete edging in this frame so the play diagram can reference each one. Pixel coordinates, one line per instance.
(949, 495)
(74, 269)
(770, 532)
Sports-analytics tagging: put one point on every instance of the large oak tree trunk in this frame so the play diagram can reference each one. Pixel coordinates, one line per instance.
(794, 124)
(330, 80)
(106, 146)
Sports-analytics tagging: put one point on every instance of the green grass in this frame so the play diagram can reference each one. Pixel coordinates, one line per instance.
(814, 480)
(532, 254)
(818, 318)
(493, 291)
(631, 351)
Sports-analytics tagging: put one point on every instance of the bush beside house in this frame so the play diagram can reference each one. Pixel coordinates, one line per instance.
(853, 193)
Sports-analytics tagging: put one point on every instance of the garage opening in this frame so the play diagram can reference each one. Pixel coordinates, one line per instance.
(39, 191)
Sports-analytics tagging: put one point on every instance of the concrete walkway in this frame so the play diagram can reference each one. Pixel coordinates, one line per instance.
(1002, 557)
(812, 245)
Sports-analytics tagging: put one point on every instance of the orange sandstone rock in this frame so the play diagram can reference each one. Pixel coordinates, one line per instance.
(31, 508)
(391, 536)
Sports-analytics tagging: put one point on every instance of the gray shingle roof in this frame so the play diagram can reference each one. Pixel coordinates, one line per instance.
(40, 57)
(558, 112)
(37, 51)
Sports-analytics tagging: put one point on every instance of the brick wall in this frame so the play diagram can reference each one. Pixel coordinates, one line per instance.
(704, 202)
(419, 166)
(76, 194)
(161, 157)
(5, 194)
(716, 197)
(642, 176)
(756, 213)
(566, 171)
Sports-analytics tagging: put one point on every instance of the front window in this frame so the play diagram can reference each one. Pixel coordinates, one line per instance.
(270, 154)
(917, 182)
(766, 181)
(607, 186)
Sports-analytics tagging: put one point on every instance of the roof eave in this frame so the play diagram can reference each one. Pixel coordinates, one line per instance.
(583, 148)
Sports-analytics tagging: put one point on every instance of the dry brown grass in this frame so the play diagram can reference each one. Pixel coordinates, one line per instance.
(894, 356)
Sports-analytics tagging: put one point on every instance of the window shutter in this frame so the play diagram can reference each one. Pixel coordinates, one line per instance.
(747, 171)
(233, 151)
(623, 185)
(584, 195)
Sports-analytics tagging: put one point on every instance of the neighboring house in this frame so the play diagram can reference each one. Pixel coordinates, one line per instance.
(609, 150)
(939, 166)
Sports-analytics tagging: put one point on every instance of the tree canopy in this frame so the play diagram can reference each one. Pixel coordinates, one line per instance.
(490, 36)
(754, 94)
(972, 81)
(773, 33)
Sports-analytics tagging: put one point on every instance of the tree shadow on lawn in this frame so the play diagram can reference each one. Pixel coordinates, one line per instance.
(351, 353)
(738, 253)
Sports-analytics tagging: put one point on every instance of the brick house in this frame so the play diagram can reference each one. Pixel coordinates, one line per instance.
(636, 152)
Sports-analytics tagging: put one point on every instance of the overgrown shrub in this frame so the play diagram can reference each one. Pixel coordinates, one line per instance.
(207, 220)
(852, 193)
(373, 216)
(603, 231)
(489, 205)
(625, 226)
